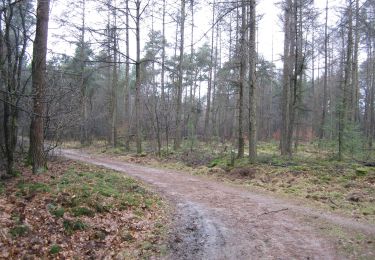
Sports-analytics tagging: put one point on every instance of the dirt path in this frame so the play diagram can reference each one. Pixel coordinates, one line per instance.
(220, 221)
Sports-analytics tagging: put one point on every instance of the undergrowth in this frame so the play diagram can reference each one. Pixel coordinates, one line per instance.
(312, 173)
(69, 207)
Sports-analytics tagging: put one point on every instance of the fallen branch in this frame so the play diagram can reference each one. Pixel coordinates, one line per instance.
(330, 200)
(273, 211)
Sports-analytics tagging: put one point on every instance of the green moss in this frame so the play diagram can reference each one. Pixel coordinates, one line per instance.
(56, 211)
(222, 161)
(131, 200)
(82, 211)
(2, 188)
(325, 178)
(369, 210)
(99, 191)
(73, 225)
(54, 249)
(19, 231)
(361, 171)
(26, 188)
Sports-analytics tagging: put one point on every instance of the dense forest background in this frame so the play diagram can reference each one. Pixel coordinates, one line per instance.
(126, 84)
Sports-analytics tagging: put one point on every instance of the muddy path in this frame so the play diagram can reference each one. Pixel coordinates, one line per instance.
(219, 221)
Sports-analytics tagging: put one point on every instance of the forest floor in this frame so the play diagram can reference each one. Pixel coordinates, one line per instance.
(79, 211)
(257, 211)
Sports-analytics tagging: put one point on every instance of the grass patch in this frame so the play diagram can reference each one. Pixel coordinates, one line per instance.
(54, 249)
(82, 211)
(56, 211)
(2, 188)
(27, 188)
(101, 191)
(73, 225)
(19, 231)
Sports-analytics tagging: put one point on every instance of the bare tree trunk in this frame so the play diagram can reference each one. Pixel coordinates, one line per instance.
(138, 80)
(372, 105)
(39, 86)
(252, 78)
(285, 105)
(242, 83)
(210, 79)
(13, 44)
(346, 84)
(113, 108)
(84, 136)
(325, 83)
(163, 100)
(191, 112)
(177, 140)
(214, 107)
(127, 81)
(355, 80)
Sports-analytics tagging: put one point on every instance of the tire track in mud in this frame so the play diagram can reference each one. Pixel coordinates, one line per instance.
(218, 221)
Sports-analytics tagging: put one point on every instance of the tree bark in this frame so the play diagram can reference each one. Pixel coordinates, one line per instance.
(177, 140)
(325, 82)
(343, 114)
(138, 80)
(252, 89)
(242, 83)
(285, 105)
(39, 86)
(127, 80)
(210, 78)
(84, 135)
(355, 101)
(114, 82)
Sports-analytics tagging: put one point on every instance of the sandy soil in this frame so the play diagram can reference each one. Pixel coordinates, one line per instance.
(215, 220)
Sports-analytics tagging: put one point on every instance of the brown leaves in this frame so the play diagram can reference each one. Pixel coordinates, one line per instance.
(38, 233)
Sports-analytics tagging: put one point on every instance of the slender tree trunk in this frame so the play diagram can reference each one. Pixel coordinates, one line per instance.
(242, 83)
(163, 99)
(313, 87)
(210, 79)
(114, 82)
(355, 103)
(285, 105)
(191, 112)
(214, 107)
(138, 80)
(83, 102)
(177, 140)
(346, 84)
(325, 79)
(127, 80)
(372, 106)
(252, 89)
(39, 86)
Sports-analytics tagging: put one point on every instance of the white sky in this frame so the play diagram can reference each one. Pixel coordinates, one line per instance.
(270, 28)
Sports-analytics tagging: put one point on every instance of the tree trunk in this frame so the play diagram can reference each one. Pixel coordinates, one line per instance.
(355, 101)
(138, 80)
(325, 83)
(84, 136)
(210, 79)
(346, 84)
(242, 83)
(285, 105)
(177, 140)
(127, 81)
(163, 99)
(113, 111)
(252, 79)
(39, 86)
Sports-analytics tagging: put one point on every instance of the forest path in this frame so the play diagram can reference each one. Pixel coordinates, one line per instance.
(221, 221)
